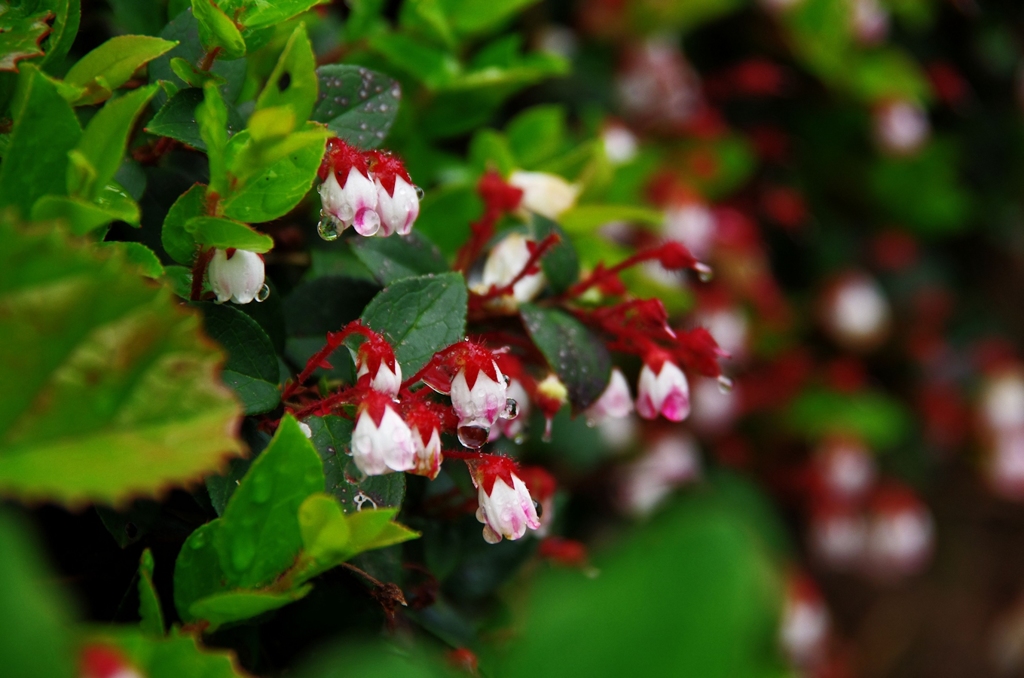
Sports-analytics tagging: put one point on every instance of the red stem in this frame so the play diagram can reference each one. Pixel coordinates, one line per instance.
(542, 248)
(199, 272)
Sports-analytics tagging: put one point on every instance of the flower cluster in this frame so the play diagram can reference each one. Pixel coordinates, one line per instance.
(369, 191)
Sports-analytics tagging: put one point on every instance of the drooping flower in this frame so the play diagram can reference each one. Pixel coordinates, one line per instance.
(349, 195)
(425, 425)
(614, 402)
(805, 625)
(398, 203)
(672, 460)
(506, 507)
(549, 195)
(662, 389)
(236, 275)
(375, 359)
(507, 260)
(381, 440)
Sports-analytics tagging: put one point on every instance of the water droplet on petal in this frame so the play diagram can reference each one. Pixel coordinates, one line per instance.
(724, 383)
(419, 192)
(473, 437)
(511, 410)
(704, 272)
(327, 230)
(263, 293)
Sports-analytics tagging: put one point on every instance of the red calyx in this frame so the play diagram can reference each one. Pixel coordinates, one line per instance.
(374, 351)
(375, 404)
(700, 352)
(340, 158)
(487, 468)
(497, 194)
(101, 661)
(674, 256)
(421, 416)
(386, 167)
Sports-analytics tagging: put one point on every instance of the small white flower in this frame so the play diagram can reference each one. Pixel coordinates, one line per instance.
(354, 205)
(385, 381)
(238, 277)
(481, 404)
(901, 127)
(384, 447)
(548, 195)
(399, 211)
(504, 263)
(663, 392)
(614, 403)
(620, 144)
(506, 508)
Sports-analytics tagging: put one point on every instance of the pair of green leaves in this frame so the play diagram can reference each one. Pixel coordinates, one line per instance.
(234, 27)
(277, 532)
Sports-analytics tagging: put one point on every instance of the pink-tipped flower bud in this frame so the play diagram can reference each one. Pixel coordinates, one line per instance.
(348, 194)
(381, 440)
(236, 275)
(614, 402)
(506, 507)
(662, 389)
(375, 360)
(425, 425)
(398, 203)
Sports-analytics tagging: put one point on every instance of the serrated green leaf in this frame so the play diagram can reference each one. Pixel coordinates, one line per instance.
(178, 242)
(83, 216)
(212, 116)
(65, 28)
(184, 28)
(259, 536)
(251, 369)
(398, 257)
(579, 358)
(105, 137)
(21, 34)
(45, 128)
(152, 616)
(174, 656)
(420, 316)
(138, 255)
(106, 378)
(231, 606)
(217, 30)
(278, 188)
(357, 104)
(197, 571)
(332, 438)
(293, 82)
(114, 61)
(177, 119)
(224, 233)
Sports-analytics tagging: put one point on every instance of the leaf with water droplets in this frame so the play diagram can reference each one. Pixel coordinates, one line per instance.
(420, 316)
(259, 535)
(573, 352)
(357, 104)
(106, 377)
(400, 256)
(252, 369)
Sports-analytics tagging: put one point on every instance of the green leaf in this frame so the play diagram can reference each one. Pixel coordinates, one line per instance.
(106, 378)
(21, 34)
(579, 358)
(113, 62)
(212, 116)
(65, 28)
(398, 257)
(252, 368)
(878, 420)
(185, 29)
(332, 438)
(429, 65)
(104, 140)
(537, 134)
(489, 149)
(472, 16)
(357, 104)
(427, 17)
(420, 316)
(222, 608)
(216, 29)
(197, 571)
(259, 536)
(264, 14)
(374, 529)
(561, 265)
(35, 631)
(281, 185)
(45, 129)
(588, 218)
(193, 76)
(325, 532)
(84, 216)
(178, 242)
(152, 616)
(293, 82)
(138, 255)
(225, 233)
(177, 119)
(701, 564)
(174, 656)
